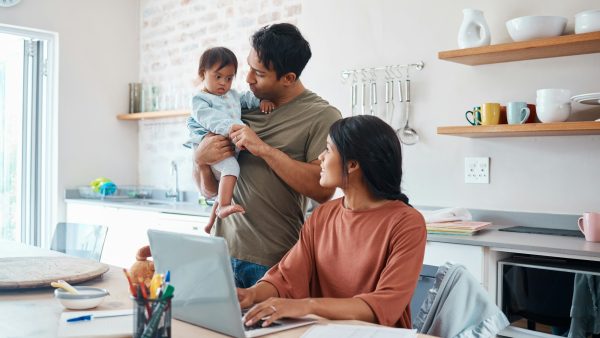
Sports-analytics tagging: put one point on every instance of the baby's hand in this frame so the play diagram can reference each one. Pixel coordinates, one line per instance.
(266, 106)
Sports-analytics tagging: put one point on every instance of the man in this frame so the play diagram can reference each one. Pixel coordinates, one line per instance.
(280, 166)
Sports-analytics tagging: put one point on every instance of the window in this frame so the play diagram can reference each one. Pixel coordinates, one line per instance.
(27, 135)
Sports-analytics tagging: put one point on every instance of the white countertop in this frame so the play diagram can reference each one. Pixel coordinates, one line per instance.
(182, 208)
(559, 246)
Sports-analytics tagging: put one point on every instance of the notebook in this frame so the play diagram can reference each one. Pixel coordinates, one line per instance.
(120, 326)
(205, 293)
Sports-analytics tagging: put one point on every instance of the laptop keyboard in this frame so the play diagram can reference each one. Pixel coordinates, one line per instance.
(258, 325)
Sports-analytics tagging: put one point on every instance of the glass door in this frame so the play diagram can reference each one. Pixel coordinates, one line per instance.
(11, 113)
(28, 128)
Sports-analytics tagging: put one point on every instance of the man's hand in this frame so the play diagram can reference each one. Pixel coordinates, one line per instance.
(274, 308)
(266, 106)
(213, 149)
(246, 139)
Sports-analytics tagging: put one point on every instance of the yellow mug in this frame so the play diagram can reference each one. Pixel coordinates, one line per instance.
(489, 114)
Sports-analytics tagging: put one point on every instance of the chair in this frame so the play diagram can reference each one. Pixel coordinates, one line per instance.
(80, 240)
(425, 283)
(458, 306)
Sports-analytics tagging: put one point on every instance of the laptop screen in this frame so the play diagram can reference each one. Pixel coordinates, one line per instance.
(201, 273)
(205, 293)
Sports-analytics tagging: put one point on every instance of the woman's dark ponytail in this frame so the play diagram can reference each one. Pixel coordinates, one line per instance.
(374, 145)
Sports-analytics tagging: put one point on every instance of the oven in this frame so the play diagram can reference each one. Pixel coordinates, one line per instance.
(549, 297)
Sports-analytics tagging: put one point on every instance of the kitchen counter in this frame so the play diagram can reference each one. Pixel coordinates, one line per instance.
(545, 245)
(181, 208)
(548, 245)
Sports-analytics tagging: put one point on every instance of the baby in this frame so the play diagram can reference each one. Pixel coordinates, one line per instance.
(214, 110)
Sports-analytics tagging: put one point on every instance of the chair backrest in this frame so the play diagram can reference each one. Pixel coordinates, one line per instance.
(425, 283)
(458, 306)
(80, 240)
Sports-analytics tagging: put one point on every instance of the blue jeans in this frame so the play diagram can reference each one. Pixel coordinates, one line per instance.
(247, 274)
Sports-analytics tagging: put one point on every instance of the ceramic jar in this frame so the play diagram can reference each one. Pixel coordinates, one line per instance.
(474, 31)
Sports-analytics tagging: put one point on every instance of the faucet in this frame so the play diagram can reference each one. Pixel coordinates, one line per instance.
(173, 192)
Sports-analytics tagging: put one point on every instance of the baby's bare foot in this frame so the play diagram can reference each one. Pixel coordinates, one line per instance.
(227, 210)
(213, 216)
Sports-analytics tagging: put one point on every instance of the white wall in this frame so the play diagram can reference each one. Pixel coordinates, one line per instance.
(538, 174)
(98, 56)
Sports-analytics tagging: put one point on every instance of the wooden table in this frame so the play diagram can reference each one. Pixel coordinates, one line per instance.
(35, 312)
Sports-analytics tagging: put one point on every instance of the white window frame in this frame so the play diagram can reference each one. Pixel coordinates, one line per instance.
(40, 223)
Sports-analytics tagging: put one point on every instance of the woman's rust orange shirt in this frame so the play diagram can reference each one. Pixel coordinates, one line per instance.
(375, 255)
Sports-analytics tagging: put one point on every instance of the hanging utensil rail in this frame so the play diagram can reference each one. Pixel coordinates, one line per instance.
(349, 72)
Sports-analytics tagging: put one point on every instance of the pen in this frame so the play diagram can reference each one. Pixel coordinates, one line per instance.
(131, 288)
(155, 285)
(90, 317)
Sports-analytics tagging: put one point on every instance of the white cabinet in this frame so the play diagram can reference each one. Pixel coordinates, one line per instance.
(181, 223)
(127, 228)
(471, 256)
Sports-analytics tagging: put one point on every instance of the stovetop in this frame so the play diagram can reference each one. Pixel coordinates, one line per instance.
(544, 231)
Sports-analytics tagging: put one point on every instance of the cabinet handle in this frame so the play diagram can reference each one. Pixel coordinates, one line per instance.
(194, 228)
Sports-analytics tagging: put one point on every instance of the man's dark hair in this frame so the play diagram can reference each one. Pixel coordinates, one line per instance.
(217, 55)
(283, 48)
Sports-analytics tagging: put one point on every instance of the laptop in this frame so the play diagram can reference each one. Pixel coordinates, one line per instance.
(205, 293)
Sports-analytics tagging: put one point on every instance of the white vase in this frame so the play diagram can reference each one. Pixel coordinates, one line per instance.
(474, 31)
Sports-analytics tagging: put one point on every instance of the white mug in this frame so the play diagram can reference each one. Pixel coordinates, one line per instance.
(553, 105)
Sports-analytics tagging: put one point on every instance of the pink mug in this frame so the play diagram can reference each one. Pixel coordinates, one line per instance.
(589, 224)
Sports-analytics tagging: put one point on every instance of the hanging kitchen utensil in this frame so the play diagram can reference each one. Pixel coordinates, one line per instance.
(373, 97)
(402, 114)
(392, 106)
(389, 96)
(387, 100)
(407, 135)
(363, 95)
(354, 101)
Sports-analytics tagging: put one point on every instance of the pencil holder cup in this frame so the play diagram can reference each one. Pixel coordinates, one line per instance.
(152, 318)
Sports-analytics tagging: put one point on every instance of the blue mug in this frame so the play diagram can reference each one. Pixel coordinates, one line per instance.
(517, 112)
(476, 116)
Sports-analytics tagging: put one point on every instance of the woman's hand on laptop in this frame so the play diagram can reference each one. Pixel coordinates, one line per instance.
(275, 308)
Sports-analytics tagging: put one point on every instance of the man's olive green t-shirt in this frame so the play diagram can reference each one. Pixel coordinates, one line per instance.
(274, 211)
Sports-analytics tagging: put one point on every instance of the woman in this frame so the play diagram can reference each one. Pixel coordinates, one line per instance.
(359, 256)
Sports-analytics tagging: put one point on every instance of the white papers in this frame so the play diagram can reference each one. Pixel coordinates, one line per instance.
(97, 327)
(357, 331)
(446, 215)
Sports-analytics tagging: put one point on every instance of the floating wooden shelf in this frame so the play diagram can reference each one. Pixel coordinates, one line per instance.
(574, 44)
(153, 115)
(528, 129)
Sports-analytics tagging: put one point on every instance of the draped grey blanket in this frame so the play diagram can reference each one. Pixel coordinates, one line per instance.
(457, 306)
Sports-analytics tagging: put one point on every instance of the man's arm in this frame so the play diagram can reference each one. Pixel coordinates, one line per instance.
(302, 177)
(212, 149)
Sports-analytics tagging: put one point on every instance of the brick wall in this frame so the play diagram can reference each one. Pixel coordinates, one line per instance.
(173, 34)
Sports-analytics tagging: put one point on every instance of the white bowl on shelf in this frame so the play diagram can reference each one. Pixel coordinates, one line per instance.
(87, 298)
(587, 21)
(535, 27)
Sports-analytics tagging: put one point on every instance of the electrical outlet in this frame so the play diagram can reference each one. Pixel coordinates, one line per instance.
(477, 170)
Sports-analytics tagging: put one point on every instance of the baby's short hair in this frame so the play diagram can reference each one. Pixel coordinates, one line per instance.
(217, 55)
